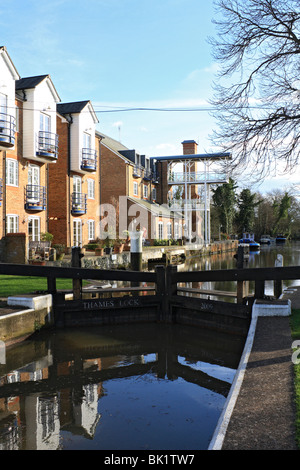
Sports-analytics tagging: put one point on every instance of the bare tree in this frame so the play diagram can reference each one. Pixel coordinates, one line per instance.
(257, 93)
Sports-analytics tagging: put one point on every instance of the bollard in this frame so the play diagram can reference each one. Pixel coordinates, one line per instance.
(76, 263)
(242, 259)
(136, 250)
(278, 283)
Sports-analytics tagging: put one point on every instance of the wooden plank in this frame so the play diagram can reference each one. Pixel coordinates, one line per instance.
(217, 293)
(211, 306)
(117, 289)
(249, 274)
(111, 303)
(76, 273)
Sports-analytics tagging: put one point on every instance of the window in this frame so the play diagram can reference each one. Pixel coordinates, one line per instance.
(154, 194)
(135, 189)
(45, 122)
(12, 172)
(12, 224)
(169, 230)
(91, 228)
(160, 230)
(145, 191)
(176, 230)
(87, 141)
(77, 233)
(3, 104)
(91, 188)
(34, 229)
(34, 183)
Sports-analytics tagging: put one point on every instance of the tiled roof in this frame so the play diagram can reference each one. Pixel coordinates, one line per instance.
(74, 107)
(29, 82)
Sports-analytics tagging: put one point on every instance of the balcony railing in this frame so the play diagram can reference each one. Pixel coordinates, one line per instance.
(47, 145)
(137, 171)
(89, 160)
(7, 130)
(189, 204)
(35, 197)
(197, 177)
(147, 174)
(78, 203)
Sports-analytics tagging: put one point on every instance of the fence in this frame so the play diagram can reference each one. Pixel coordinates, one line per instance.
(154, 296)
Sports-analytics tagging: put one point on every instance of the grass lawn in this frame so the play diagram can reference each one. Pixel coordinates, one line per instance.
(15, 285)
(295, 327)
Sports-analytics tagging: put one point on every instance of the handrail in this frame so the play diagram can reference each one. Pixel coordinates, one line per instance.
(7, 128)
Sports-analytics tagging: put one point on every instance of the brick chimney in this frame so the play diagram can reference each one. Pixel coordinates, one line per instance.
(189, 147)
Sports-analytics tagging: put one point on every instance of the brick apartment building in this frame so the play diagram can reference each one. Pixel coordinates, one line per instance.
(134, 188)
(58, 174)
(28, 146)
(74, 182)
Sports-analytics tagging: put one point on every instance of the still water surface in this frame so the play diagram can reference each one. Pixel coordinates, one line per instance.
(149, 387)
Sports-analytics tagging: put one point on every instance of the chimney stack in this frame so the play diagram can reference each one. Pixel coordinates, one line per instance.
(189, 147)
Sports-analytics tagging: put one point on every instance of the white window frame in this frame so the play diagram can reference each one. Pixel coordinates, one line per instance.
(12, 220)
(145, 191)
(135, 188)
(12, 172)
(154, 194)
(35, 235)
(176, 230)
(91, 229)
(91, 188)
(77, 232)
(169, 230)
(160, 230)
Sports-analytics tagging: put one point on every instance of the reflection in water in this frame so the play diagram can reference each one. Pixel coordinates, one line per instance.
(125, 387)
(265, 257)
(122, 387)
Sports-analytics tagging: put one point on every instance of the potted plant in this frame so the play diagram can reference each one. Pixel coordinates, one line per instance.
(60, 251)
(118, 245)
(46, 237)
(37, 260)
(99, 250)
(108, 246)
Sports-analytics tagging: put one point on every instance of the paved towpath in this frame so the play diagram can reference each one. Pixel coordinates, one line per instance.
(264, 414)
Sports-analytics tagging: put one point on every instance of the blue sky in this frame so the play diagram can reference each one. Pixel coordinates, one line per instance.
(122, 54)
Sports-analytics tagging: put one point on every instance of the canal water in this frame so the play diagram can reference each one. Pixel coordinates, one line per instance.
(126, 387)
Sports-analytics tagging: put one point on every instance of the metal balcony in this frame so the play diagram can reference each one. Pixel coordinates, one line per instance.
(7, 130)
(89, 160)
(78, 203)
(35, 197)
(47, 145)
(147, 175)
(137, 171)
